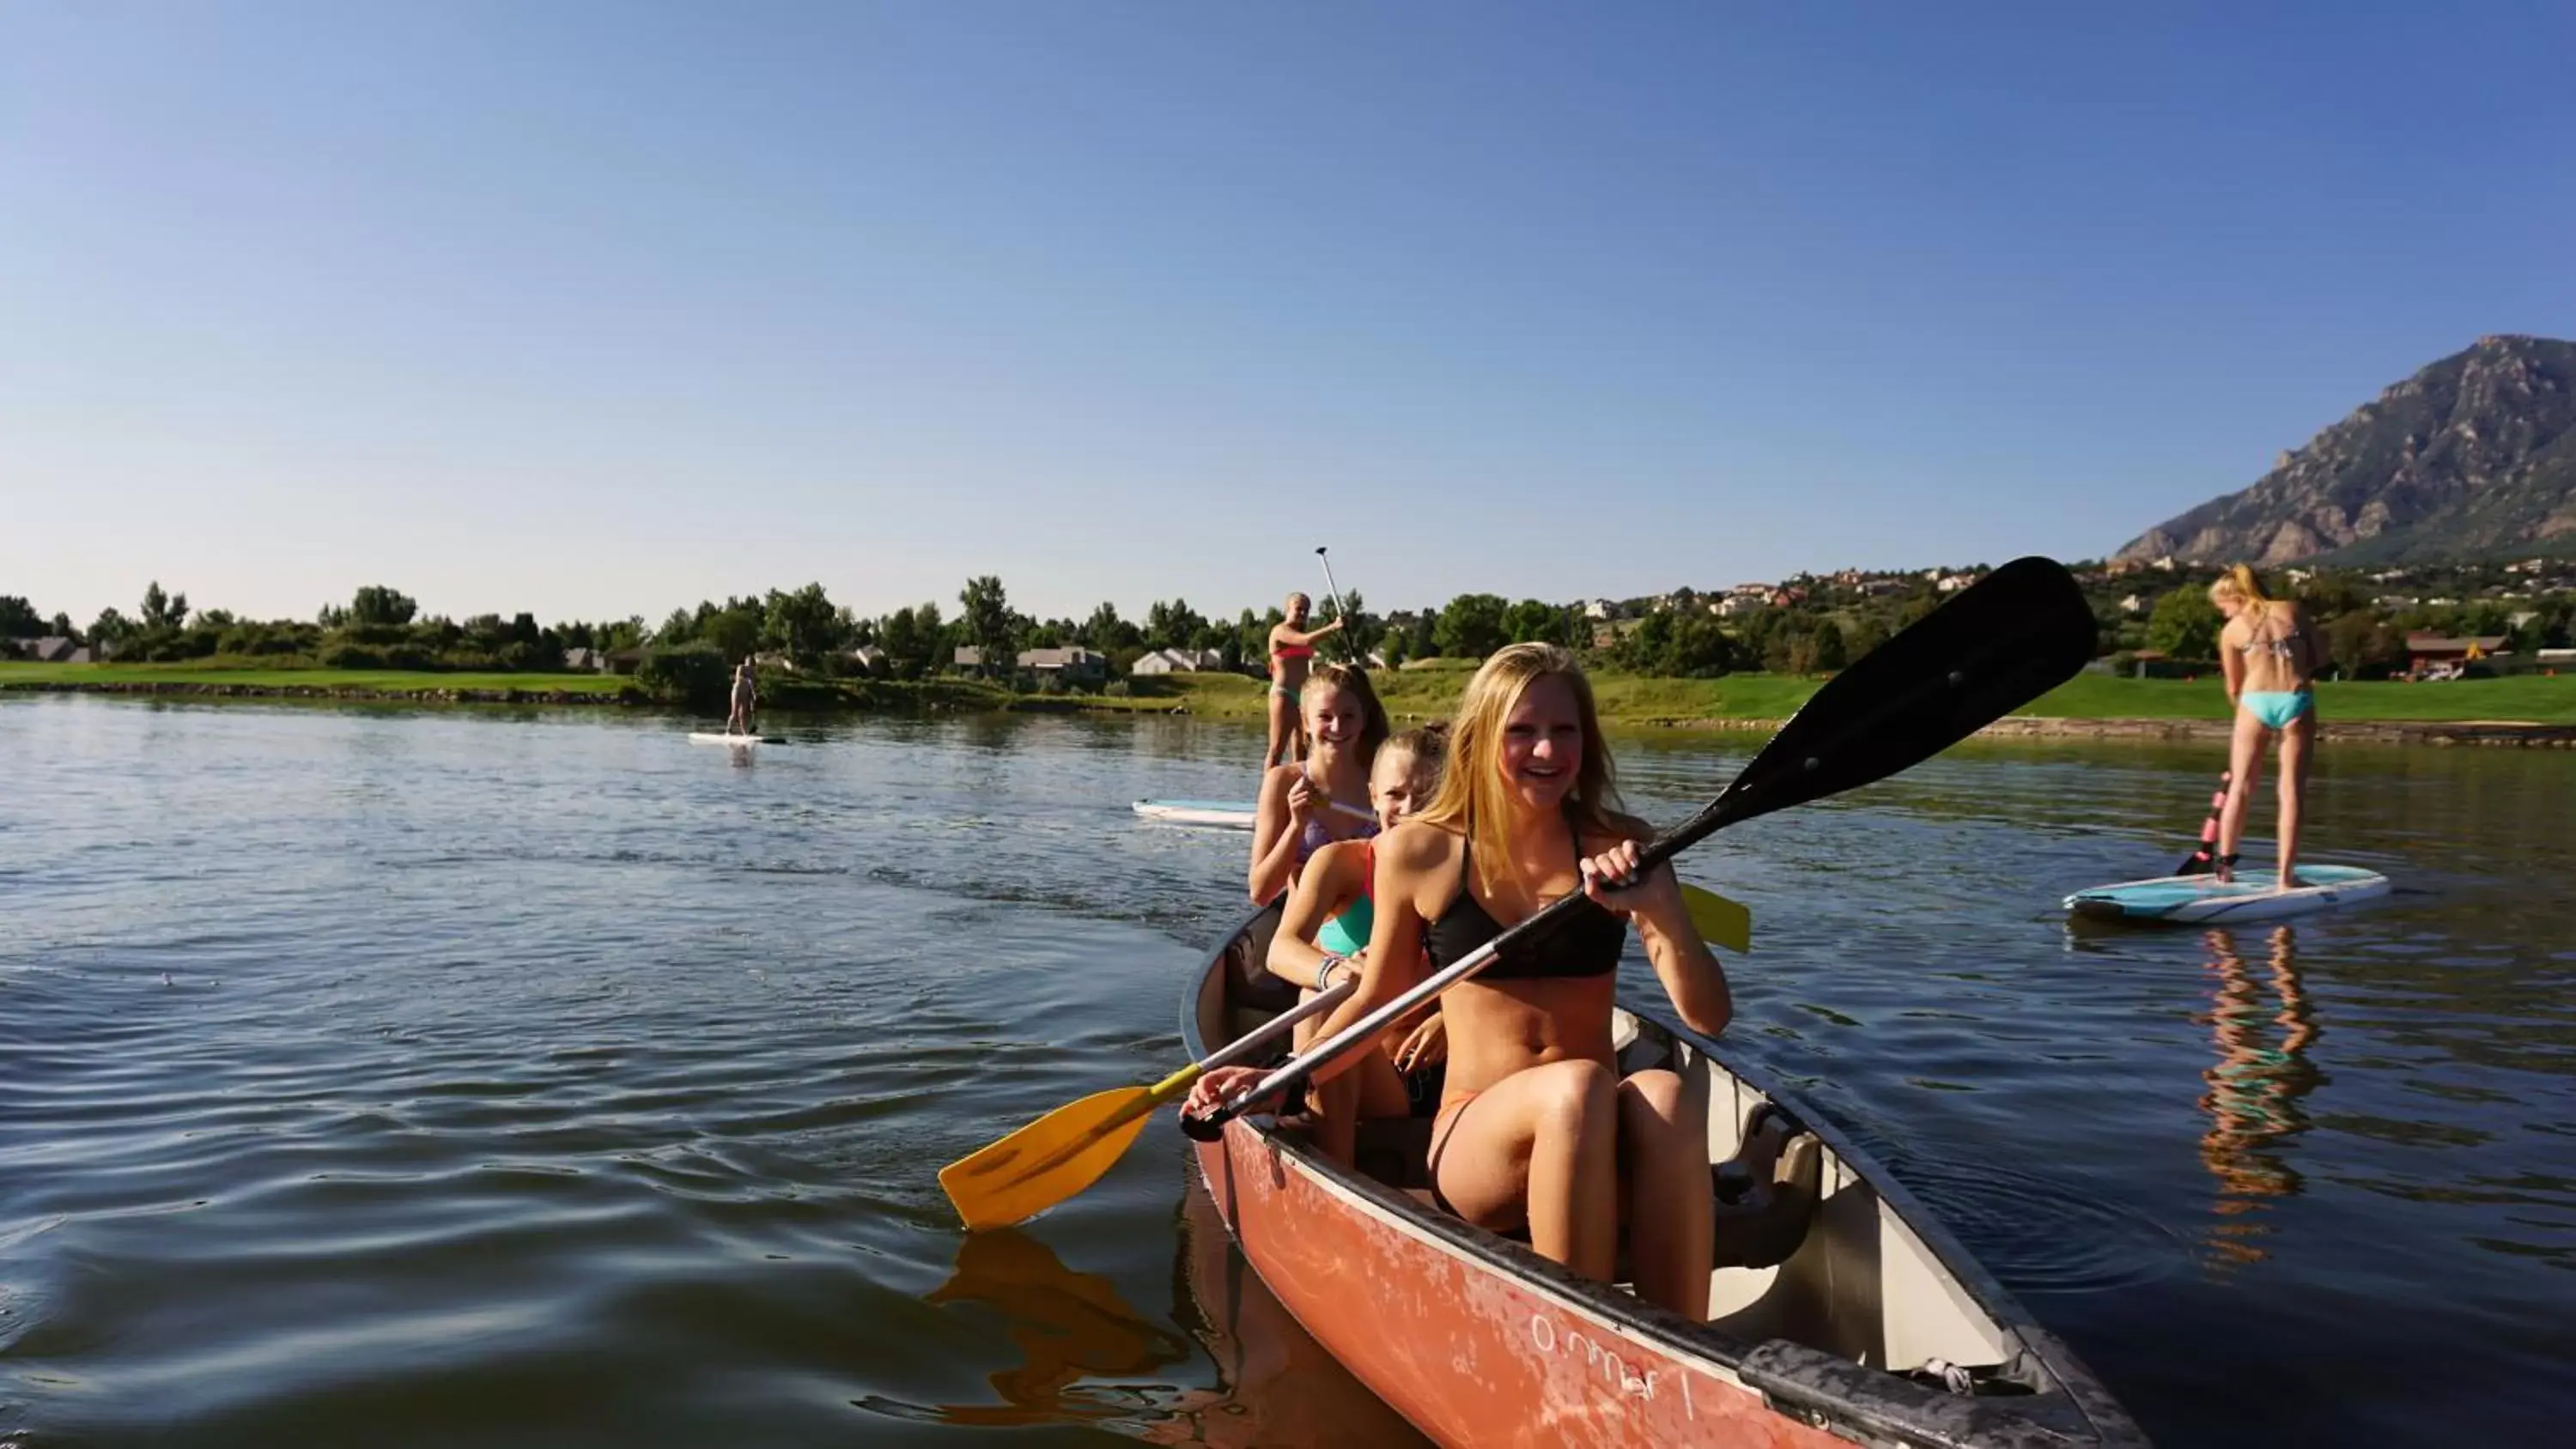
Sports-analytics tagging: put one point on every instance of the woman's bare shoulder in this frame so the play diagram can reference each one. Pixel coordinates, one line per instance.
(1418, 845)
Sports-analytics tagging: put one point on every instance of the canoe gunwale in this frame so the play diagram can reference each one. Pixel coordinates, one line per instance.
(2080, 1396)
(1867, 1405)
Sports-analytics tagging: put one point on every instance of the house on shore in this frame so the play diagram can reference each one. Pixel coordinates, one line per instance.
(2428, 653)
(1073, 664)
(1178, 661)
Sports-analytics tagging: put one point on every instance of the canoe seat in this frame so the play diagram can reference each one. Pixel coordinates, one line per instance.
(1767, 1193)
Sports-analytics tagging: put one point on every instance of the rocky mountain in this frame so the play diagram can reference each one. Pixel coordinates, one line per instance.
(2473, 457)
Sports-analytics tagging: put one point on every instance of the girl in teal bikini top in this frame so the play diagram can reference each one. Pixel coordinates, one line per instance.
(1325, 926)
(1347, 934)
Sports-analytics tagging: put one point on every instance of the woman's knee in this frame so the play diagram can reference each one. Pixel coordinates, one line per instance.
(1575, 1094)
(1658, 1108)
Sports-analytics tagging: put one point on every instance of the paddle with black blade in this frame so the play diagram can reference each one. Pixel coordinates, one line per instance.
(2205, 859)
(2014, 635)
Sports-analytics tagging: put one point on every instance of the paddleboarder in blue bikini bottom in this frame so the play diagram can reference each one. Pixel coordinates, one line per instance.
(2270, 660)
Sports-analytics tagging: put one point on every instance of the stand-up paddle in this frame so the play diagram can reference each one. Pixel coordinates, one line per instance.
(1350, 649)
(2016, 634)
(2019, 632)
(2205, 859)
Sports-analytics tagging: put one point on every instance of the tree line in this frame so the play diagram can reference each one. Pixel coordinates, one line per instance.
(1808, 625)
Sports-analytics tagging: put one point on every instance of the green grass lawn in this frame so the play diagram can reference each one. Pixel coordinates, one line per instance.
(1631, 699)
(390, 680)
(1427, 693)
(2539, 699)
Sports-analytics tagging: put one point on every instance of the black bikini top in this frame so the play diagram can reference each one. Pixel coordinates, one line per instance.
(1586, 943)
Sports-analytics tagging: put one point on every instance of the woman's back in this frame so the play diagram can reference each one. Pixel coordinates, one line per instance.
(2279, 653)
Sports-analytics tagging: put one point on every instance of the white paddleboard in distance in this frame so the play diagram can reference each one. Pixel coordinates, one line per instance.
(2252, 896)
(1226, 814)
(700, 738)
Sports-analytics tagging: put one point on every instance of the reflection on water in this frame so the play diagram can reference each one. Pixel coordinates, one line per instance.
(434, 1078)
(1067, 1326)
(2263, 1024)
(1087, 1355)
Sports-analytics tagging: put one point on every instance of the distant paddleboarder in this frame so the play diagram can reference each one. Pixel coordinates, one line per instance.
(1292, 644)
(746, 696)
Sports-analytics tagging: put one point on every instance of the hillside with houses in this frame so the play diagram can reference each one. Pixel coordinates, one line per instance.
(2415, 620)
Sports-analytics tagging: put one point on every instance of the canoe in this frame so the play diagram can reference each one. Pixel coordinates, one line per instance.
(2250, 897)
(1229, 814)
(1843, 1312)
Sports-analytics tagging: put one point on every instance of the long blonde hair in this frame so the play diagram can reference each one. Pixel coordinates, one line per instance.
(1353, 679)
(1472, 800)
(2240, 582)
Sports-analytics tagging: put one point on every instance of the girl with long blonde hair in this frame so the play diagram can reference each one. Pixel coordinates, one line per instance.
(1536, 1127)
(2269, 658)
(1315, 799)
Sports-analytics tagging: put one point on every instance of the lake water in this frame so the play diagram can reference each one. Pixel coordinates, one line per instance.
(486, 1078)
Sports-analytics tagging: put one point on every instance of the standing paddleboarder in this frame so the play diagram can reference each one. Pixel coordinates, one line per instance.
(2270, 660)
(746, 696)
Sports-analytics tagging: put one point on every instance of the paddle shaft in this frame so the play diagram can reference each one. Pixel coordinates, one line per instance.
(1367, 1027)
(1179, 1082)
(1271, 1030)
(2020, 631)
(1349, 650)
(2206, 856)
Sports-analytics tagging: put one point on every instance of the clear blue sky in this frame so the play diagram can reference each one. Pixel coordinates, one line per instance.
(600, 308)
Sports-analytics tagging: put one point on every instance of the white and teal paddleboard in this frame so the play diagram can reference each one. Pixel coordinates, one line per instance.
(701, 738)
(2252, 896)
(1227, 814)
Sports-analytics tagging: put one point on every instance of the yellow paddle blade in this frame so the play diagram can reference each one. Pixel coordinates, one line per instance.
(1055, 1156)
(1721, 922)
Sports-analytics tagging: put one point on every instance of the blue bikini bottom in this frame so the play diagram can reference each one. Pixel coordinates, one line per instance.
(2277, 708)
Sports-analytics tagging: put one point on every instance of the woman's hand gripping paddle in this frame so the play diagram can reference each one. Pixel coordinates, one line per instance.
(1999, 644)
(1066, 1150)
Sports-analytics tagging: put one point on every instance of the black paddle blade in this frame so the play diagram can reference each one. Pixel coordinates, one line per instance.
(2011, 637)
(2205, 859)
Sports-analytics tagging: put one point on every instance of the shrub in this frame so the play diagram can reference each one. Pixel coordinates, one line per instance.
(693, 674)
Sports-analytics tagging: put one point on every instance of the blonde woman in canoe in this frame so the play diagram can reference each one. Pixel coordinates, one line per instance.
(1536, 1128)
(1296, 813)
(2270, 659)
(1324, 930)
(1292, 644)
